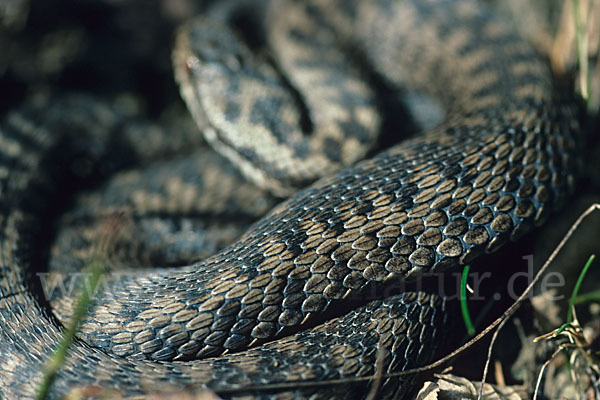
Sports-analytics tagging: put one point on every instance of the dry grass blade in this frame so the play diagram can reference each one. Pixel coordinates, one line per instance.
(577, 45)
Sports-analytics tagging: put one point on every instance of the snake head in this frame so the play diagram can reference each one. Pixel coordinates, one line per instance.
(205, 45)
(207, 59)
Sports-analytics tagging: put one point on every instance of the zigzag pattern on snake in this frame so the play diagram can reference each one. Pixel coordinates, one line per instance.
(503, 158)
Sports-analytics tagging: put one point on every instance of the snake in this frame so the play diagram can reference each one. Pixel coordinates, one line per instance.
(302, 304)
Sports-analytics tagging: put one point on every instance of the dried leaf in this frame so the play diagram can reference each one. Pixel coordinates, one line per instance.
(451, 387)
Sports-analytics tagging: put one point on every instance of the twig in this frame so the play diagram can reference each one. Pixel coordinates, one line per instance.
(541, 374)
(378, 375)
(489, 357)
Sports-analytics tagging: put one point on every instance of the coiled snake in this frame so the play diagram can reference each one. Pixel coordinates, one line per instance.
(301, 295)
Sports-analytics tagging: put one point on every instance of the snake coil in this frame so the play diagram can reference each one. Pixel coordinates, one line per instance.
(503, 158)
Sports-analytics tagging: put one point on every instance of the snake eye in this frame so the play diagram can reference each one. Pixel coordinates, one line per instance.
(192, 62)
(218, 46)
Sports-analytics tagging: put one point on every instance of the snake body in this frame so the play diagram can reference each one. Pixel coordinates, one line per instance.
(319, 264)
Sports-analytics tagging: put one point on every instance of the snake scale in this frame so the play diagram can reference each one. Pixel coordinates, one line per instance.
(301, 296)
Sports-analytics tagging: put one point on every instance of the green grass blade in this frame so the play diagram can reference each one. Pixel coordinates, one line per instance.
(588, 297)
(577, 286)
(463, 302)
(95, 269)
